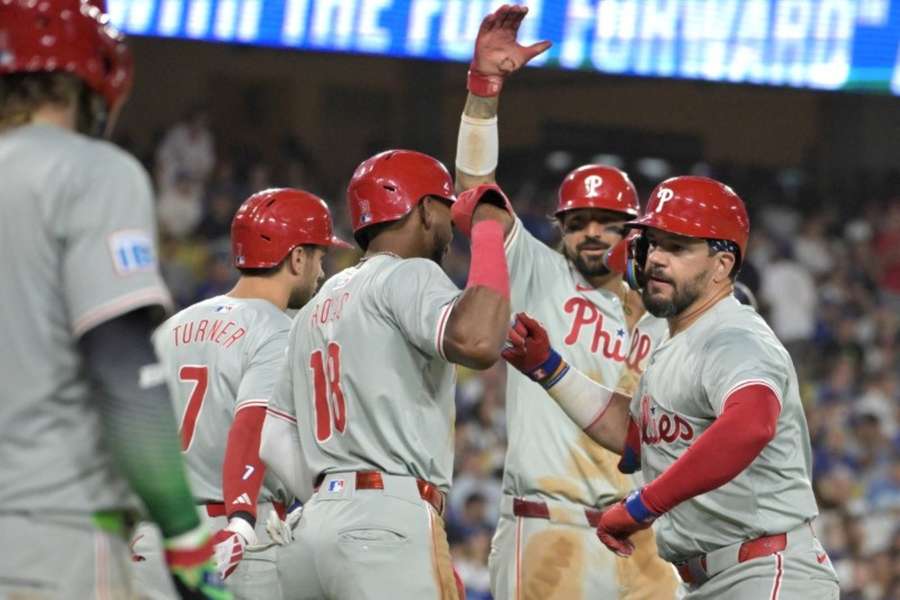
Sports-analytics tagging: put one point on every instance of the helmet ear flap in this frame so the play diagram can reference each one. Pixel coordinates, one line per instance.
(638, 249)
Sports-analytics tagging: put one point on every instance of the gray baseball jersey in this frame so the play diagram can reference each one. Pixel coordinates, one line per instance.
(548, 455)
(367, 380)
(78, 239)
(220, 355)
(684, 387)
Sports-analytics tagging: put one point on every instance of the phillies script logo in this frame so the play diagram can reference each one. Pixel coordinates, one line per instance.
(639, 351)
(591, 184)
(663, 429)
(588, 318)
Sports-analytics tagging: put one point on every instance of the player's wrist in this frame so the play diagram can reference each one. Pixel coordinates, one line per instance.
(480, 84)
(551, 371)
(243, 528)
(638, 509)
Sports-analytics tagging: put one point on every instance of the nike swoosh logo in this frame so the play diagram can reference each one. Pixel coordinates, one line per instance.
(583, 288)
(822, 558)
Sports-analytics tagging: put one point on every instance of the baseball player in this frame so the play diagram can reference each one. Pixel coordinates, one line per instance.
(716, 424)
(222, 357)
(555, 476)
(361, 424)
(84, 417)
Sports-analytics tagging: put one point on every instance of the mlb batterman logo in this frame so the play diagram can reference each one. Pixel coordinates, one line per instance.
(365, 215)
(335, 485)
(591, 184)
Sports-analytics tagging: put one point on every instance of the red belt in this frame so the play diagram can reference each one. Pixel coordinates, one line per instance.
(217, 509)
(761, 546)
(539, 510)
(372, 480)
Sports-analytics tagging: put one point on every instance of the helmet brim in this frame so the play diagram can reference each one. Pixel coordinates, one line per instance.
(337, 242)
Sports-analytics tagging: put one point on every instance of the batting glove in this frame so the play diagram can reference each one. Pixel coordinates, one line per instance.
(624, 518)
(282, 532)
(498, 52)
(465, 205)
(188, 557)
(528, 350)
(229, 545)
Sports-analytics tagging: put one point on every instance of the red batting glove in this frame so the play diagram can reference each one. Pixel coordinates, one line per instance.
(497, 51)
(466, 203)
(621, 520)
(528, 349)
(229, 545)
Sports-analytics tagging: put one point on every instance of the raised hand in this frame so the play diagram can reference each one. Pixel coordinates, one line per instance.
(498, 52)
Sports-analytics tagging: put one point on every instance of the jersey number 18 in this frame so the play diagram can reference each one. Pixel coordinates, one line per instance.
(330, 405)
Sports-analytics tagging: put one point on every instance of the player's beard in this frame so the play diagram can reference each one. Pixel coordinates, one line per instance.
(300, 295)
(682, 296)
(588, 266)
(439, 252)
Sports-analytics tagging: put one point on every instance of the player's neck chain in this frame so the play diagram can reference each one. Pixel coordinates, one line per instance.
(383, 252)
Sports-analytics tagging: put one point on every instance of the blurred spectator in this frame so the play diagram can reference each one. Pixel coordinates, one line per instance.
(219, 212)
(220, 276)
(470, 520)
(471, 561)
(789, 292)
(811, 246)
(187, 148)
(180, 207)
(887, 253)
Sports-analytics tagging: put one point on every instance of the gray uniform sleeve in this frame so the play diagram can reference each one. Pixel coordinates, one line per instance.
(263, 371)
(418, 296)
(109, 265)
(733, 359)
(528, 258)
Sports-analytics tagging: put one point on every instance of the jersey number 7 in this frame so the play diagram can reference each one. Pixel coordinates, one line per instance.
(200, 376)
(330, 405)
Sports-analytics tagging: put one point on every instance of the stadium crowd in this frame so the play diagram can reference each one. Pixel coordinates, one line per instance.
(824, 262)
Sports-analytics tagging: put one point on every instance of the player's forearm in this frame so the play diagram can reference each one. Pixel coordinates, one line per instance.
(602, 413)
(137, 418)
(243, 470)
(477, 147)
(279, 449)
(476, 329)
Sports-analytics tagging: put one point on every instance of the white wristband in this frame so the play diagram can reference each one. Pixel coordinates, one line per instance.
(478, 146)
(243, 529)
(583, 399)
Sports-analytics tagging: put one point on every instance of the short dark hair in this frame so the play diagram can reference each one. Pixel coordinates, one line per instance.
(272, 271)
(365, 236)
(717, 245)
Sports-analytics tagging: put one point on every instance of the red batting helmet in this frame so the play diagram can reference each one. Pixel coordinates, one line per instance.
(271, 223)
(68, 36)
(598, 186)
(387, 186)
(697, 207)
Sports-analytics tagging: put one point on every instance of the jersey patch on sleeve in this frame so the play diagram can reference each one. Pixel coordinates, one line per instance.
(132, 251)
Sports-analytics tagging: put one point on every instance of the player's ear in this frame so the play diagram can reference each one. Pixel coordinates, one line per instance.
(295, 260)
(724, 265)
(426, 206)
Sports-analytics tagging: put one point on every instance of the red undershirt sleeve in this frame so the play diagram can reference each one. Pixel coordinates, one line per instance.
(243, 470)
(744, 428)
